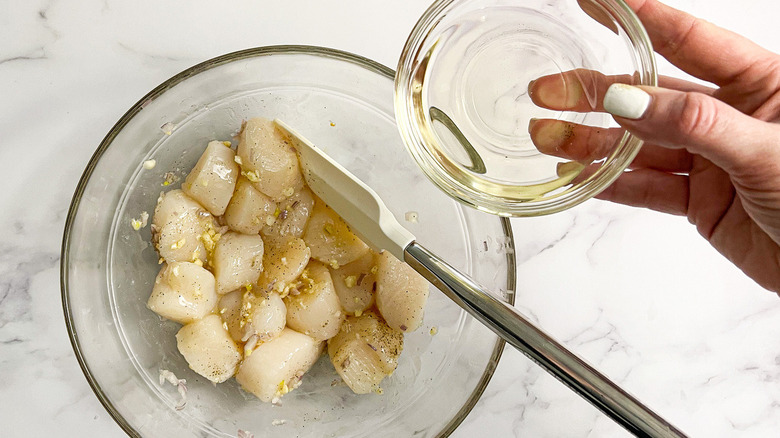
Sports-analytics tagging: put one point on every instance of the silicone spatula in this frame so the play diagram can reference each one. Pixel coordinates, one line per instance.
(368, 216)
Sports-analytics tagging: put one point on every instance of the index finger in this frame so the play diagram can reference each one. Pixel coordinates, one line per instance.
(696, 46)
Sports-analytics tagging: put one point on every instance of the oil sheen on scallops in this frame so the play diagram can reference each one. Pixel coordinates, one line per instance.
(265, 278)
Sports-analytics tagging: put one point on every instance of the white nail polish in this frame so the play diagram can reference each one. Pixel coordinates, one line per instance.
(626, 101)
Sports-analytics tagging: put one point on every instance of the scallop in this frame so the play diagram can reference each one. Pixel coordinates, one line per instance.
(183, 292)
(282, 264)
(249, 210)
(365, 351)
(238, 261)
(268, 160)
(276, 367)
(355, 283)
(179, 226)
(330, 238)
(212, 181)
(315, 310)
(209, 349)
(401, 293)
(293, 215)
(262, 316)
(229, 308)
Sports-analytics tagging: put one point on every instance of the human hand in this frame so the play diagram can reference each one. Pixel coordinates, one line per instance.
(712, 154)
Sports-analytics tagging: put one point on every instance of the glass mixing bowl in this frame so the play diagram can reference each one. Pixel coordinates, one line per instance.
(344, 104)
(464, 103)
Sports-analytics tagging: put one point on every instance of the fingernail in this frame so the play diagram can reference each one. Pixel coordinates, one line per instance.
(626, 101)
(550, 135)
(531, 124)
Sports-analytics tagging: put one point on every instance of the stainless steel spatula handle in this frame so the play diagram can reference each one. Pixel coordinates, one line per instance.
(515, 329)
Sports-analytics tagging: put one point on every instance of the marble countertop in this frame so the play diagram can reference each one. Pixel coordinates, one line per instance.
(645, 299)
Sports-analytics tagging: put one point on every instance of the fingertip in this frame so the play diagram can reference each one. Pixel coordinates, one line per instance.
(531, 123)
(556, 92)
(549, 135)
(533, 91)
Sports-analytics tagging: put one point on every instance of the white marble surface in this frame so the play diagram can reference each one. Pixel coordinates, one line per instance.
(644, 297)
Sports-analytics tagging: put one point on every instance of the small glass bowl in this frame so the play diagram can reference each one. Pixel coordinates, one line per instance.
(463, 101)
(344, 104)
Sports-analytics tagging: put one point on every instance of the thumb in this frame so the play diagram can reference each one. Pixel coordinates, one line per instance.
(694, 121)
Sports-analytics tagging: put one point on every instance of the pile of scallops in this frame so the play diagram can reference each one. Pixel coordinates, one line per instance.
(264, 277)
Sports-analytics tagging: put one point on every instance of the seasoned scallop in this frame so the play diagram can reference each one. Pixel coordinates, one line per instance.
(315, 310)
(229, 308)
(268, 160)
(249, 210)
(212, 181)
(282, 264)
(401, 293)
(365, 351)
(331, 240)
(355, 284)
(262, 316)
(179, 226)
(238, 261)
(293, 214)
(183, 292)
(208, 348)
(276, 367)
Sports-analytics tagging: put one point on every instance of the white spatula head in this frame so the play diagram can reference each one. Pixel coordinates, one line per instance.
(352, 199)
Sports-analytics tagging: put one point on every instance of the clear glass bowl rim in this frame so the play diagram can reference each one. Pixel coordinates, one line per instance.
(325, 52)
(626, 151)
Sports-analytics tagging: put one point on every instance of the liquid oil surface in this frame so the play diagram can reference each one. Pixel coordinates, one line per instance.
(473, 105)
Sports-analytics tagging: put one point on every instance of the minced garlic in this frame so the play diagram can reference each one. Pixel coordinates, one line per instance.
(253, 176)
(282, 388)
(141, 222)
(209, 237)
